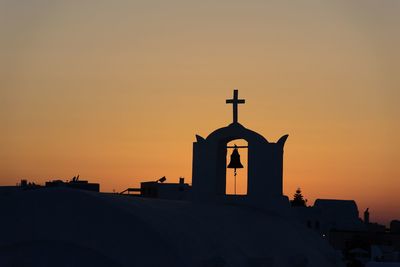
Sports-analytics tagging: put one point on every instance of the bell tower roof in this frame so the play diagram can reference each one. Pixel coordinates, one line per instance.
(236, 131)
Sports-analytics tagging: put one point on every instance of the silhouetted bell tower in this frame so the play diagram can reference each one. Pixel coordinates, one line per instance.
(265, 166)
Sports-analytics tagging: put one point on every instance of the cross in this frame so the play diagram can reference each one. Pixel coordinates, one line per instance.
(235, 101)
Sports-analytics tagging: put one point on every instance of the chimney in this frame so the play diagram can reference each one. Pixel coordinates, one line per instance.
(24, 183)
(366, 216)
(181, 180)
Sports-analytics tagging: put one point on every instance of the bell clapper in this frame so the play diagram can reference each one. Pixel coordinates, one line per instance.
(234, 173)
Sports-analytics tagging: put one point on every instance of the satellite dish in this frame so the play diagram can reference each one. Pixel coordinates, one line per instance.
(162, 179)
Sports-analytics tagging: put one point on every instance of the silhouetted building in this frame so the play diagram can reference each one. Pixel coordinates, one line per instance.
(162, 190)
(380, 244)
(75, 183)
(22, 185)
(395, 227)
(173, 191)
(330, 214)
(339, 214)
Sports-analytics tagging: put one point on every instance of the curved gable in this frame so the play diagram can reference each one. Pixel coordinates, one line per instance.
(236, 131)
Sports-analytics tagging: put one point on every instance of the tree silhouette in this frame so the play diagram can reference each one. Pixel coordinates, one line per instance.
(298, 199)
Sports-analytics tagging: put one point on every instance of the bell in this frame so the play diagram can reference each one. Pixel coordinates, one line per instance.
(235, 160)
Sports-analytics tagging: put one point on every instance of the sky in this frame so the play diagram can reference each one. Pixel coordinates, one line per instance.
(116, 90)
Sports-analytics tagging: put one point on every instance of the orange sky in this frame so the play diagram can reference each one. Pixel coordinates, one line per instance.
(117, 90)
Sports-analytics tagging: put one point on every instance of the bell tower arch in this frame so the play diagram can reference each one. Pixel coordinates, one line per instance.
(265, 166)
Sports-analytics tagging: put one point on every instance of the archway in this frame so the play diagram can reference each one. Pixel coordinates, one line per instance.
(237, 185)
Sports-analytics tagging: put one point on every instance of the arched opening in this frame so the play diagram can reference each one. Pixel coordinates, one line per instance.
(237, 185)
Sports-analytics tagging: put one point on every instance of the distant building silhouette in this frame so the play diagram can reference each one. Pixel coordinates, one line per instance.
(75, 183)
(395, 227)
(160, 189)
(173, 191)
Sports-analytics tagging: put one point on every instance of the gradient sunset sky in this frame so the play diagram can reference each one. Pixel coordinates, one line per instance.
(116, 90)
